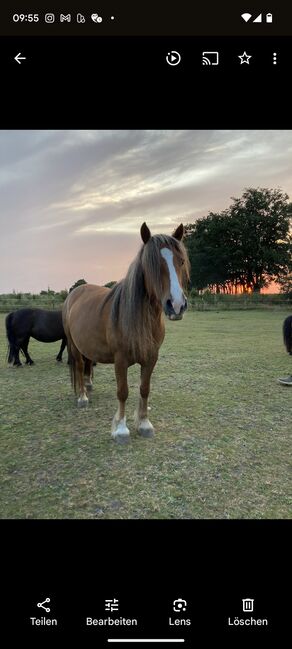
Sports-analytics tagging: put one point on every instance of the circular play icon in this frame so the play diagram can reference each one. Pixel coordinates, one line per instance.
(173, 58)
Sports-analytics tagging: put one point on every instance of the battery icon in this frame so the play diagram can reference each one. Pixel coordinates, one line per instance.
(269, 18)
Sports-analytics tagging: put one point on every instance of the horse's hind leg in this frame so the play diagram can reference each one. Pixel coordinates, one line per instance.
(88, 373)
(13, 357)
(143, 425)
(77, 373)
(24, 346)
(63, 345)
(120, 432)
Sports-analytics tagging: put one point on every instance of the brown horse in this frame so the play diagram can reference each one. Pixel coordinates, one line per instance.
(125, 325)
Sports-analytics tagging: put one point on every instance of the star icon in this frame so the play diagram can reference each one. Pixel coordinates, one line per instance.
(244, 58)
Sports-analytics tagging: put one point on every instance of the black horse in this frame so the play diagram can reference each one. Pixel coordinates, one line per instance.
(287, 334)
(45, 326)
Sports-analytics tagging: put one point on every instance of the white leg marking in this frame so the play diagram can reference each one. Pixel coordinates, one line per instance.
(177, 296)
(82, 401)
(119, 428)
(143, 426)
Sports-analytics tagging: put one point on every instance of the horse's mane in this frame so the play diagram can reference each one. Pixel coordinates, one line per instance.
(133, 308)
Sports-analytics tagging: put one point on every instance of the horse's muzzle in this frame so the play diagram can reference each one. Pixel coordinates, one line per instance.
(170, 312)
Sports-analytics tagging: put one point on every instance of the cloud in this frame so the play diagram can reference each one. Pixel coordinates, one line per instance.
(72, 202)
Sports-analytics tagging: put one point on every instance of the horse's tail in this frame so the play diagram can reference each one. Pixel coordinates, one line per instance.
(72, 365)
(13, 348)
(287, 334)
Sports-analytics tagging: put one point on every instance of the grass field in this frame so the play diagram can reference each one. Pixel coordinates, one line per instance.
(223, 429)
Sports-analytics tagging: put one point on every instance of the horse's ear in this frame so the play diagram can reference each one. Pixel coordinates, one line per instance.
(145, 233)
(179, 232)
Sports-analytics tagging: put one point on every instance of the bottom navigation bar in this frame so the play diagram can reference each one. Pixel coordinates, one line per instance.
(145, 640)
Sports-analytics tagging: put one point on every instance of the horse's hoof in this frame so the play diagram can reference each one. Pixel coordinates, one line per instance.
(89, 386)
(59, 360)
(146, 432)
(145, 428)
(121, 438)
(82, 403)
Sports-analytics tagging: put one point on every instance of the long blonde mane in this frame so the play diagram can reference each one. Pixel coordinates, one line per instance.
(134, 310)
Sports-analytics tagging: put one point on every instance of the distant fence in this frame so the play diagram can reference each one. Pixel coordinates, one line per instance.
(221, 302)
(7, 306)
(207, 302)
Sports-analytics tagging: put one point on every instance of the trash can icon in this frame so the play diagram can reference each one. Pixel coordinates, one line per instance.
(269, 18)
(247, 605)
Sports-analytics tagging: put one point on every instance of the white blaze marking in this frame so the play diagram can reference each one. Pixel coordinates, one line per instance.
(177, 296)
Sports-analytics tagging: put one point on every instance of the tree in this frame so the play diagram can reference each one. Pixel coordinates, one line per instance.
(263, 217)
(63, 294)
(78, 283)
(110, 284)
(286, 285)
(244, 248)
(208, 252)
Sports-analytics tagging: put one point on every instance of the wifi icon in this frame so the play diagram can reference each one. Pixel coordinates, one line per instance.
(246, 17)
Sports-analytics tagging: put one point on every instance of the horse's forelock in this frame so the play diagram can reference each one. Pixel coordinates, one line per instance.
(130, 298)
(151, 260)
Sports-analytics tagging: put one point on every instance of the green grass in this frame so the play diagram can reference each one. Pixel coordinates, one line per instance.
(222, 424)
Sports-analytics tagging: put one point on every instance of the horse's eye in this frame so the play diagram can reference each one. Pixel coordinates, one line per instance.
(182, 261)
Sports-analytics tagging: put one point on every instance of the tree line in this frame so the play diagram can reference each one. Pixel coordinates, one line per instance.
(245, 247)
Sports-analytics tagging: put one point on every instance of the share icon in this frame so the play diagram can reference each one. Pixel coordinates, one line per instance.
(41, 605)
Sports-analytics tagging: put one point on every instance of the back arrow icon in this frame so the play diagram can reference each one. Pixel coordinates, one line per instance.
(19, 58)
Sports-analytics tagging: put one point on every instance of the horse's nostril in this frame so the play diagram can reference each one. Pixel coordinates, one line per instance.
(184, 307)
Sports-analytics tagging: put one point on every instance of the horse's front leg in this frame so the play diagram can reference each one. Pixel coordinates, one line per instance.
(120, 432)
(143, 425)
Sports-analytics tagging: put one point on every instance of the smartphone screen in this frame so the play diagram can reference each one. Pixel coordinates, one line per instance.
(146, 322)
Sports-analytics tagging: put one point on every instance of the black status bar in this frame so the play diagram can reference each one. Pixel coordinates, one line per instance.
(128, 18)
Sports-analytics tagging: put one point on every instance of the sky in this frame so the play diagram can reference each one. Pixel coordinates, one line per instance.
(72, 202)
